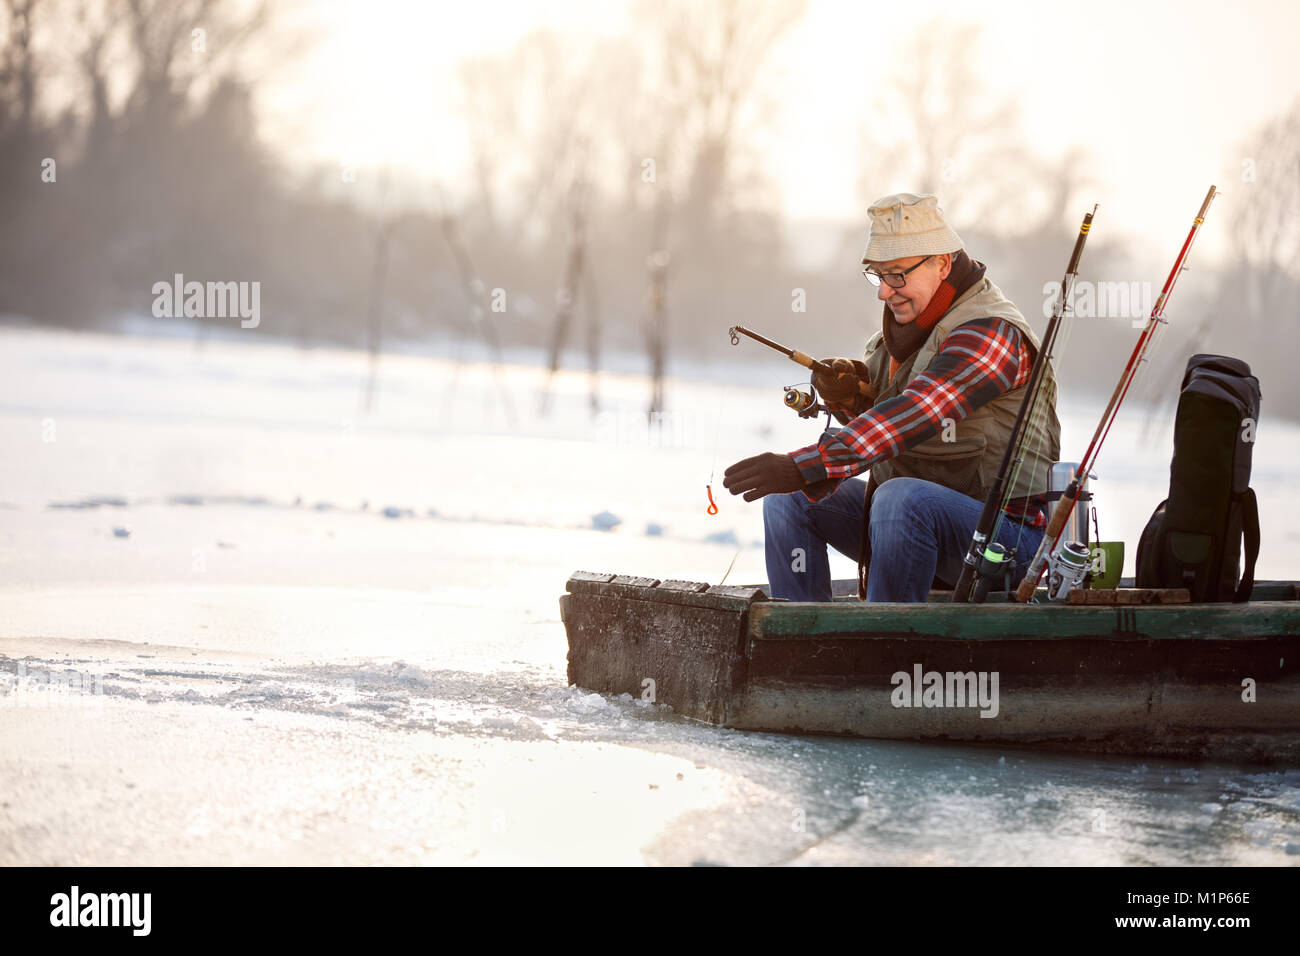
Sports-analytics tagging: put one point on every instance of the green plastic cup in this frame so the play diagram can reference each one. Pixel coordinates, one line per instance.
(1107, 564)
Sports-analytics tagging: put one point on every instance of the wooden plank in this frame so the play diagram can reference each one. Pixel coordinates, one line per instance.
(1275, 591)
(673, 585)
(729, 597)
(631, 580)
(594, 576)
(1131, 596)
(739, 591)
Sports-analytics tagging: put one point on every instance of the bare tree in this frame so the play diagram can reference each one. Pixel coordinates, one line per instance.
(578, 282)
(563, 109)
(480, 315)
(165, 33)
(538, 120)
(657, 263)
(18, 68)
(1265, 226)
(1260, 283)
(935, 123)
(491, 113)
(374, 322)
(710, 59)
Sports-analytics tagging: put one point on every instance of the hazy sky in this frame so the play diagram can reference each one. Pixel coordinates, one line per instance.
(1160, 93)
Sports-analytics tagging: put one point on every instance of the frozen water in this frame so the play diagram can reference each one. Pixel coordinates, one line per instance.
(333, 637)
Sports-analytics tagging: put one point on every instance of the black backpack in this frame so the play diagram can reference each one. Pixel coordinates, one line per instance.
(1194, 538)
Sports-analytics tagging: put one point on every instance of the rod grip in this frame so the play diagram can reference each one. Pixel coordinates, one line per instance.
(1026, 590)
(1061, 510)
(1209, 198)
(1055, 525)
(807, 361)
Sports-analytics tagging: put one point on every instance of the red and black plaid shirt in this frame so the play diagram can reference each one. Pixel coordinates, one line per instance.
(979, 361)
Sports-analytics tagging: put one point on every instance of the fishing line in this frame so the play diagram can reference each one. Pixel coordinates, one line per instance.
(713, 507)
(729, 567)
(986, 558)
(1144, 366)
(1138, 374)
(717, 430)
(1056, 349)
(1065, 504)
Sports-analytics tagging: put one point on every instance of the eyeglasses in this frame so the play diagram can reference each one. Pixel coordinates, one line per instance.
(895, 280)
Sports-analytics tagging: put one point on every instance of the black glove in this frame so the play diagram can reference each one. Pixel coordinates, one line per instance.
(765, 474)
(842, 387)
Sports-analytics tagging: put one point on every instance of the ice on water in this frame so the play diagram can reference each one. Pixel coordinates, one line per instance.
(334, 636)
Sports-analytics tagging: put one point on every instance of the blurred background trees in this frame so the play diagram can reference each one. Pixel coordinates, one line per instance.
(618, 195)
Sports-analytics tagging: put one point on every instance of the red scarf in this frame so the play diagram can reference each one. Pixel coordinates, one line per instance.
(904, 341)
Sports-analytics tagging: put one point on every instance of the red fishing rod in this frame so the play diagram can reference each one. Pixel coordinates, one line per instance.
(1070, 497)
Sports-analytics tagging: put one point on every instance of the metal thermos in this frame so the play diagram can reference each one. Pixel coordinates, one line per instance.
(1059, 476)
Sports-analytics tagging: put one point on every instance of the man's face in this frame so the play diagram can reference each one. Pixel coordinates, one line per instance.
(910, 301)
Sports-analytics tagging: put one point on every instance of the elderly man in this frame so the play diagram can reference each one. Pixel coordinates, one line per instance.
(947, 370)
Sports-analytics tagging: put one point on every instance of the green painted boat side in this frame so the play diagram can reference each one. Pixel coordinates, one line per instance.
(1004, 622)
(1176, 680)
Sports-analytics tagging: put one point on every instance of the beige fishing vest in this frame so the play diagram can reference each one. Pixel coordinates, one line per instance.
(969, 463)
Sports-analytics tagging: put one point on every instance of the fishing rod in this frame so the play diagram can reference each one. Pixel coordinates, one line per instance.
(1070, 497)
(805, 403)
(984, 562)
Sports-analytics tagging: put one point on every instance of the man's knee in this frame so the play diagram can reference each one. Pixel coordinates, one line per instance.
(903, 512)
(899, 496)
(779, 510)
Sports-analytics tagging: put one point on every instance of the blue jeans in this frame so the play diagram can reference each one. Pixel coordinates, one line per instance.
(920, 531)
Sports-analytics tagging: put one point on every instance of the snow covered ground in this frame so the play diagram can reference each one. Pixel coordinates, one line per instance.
(244, 621)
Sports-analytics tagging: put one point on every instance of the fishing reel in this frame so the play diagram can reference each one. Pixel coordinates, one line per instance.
(994, 564)
(805, 403)
(1066, 570)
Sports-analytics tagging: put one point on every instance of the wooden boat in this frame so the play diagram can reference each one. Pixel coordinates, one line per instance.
(1182, 680)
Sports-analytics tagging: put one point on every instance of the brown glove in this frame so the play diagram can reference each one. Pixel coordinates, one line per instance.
(765, 474)
(843, 387)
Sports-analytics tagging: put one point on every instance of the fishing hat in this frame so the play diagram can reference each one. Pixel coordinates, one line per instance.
(905, 225)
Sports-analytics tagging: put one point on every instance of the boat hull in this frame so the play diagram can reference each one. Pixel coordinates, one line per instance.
(1196, 681)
